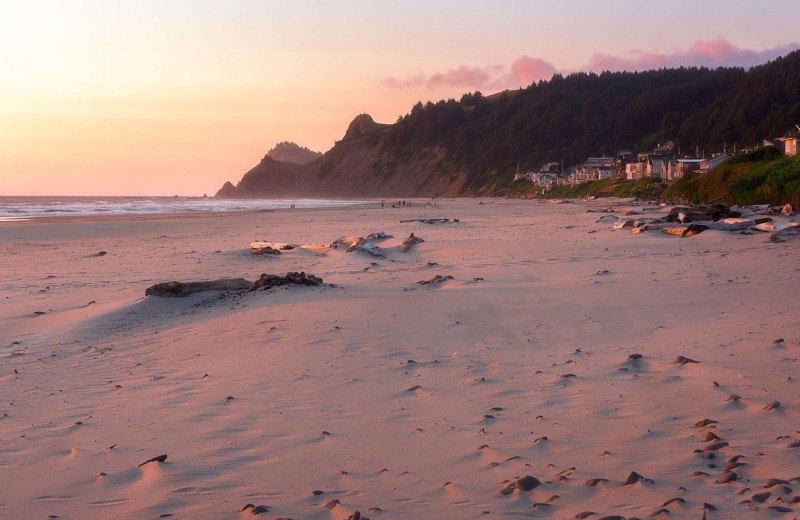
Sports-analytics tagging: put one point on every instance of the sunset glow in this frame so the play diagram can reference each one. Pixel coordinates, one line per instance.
(155, 98)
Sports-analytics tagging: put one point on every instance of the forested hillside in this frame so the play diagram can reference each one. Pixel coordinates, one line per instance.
(474, 145)
(571, 118)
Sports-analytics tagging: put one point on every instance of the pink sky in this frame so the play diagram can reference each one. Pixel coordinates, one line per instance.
(143, 98)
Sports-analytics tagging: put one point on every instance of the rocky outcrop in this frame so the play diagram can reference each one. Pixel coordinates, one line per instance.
(228, 191)
(269, 179)
(356, 166)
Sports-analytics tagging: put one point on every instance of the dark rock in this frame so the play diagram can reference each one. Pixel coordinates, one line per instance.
(527, 483)
(634, 478)
(761, 497)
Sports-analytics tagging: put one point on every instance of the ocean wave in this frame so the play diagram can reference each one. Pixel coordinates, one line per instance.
(33, 207)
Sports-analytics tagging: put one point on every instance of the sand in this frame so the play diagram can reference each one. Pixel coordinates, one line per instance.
(550, 353)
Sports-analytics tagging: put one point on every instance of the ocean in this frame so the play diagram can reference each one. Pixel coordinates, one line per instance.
(23, 208)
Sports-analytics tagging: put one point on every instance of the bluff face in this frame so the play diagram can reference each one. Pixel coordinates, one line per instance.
(356, 166)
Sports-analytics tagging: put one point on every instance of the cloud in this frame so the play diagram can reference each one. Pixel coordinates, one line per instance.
(522, 72)
(461, 77)
(527, 70)
(717, 52)
(414, 81)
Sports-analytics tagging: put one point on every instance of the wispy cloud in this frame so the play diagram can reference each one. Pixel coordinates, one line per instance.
(527, 70)
(716, 52)
(522, 72)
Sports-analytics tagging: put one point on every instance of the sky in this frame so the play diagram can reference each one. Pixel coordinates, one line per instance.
(175, 97)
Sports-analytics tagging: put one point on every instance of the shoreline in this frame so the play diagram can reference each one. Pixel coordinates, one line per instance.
(553, 352)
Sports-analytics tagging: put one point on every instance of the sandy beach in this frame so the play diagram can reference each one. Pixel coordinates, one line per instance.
(631, 376)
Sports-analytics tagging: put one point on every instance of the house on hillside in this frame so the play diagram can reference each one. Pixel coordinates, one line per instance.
(660, 167)
(785, 145)
(651, 166)
(713, 162)
(544, 180)
(594, 169)
(684, 166)
(635, 171)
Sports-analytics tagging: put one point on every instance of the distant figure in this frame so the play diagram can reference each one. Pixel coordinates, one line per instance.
(381, 204)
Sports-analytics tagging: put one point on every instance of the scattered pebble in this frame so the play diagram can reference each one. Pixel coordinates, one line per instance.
(634, 478)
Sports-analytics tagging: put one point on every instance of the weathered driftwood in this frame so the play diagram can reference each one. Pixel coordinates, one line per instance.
(787, 233)
(379, 235)
(435, 280)
(686, 214)
(410, 242)
(430, 220)
(261, 247)
(624, 224)
(727, 225)
(696, 228)
(370, 248)
(349, 242)
(362, 244)
(183, 288)
(684, 231)
(272, 248)
(785, 210)
(266, 281)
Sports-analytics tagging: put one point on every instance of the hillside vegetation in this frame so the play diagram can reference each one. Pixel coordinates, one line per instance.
(760, 177)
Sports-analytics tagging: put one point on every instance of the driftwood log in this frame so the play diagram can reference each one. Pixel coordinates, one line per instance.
(435, 280)
(379, 235)
(271, 248)
(430, 220)
(266, 281)
(410, 242)
(785, 234)
(183, 288)
(684, 231)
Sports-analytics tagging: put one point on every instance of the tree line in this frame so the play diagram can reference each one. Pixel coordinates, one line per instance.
(569, 118)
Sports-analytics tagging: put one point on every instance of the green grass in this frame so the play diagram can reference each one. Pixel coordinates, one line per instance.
(760, 177)
(643, 189)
